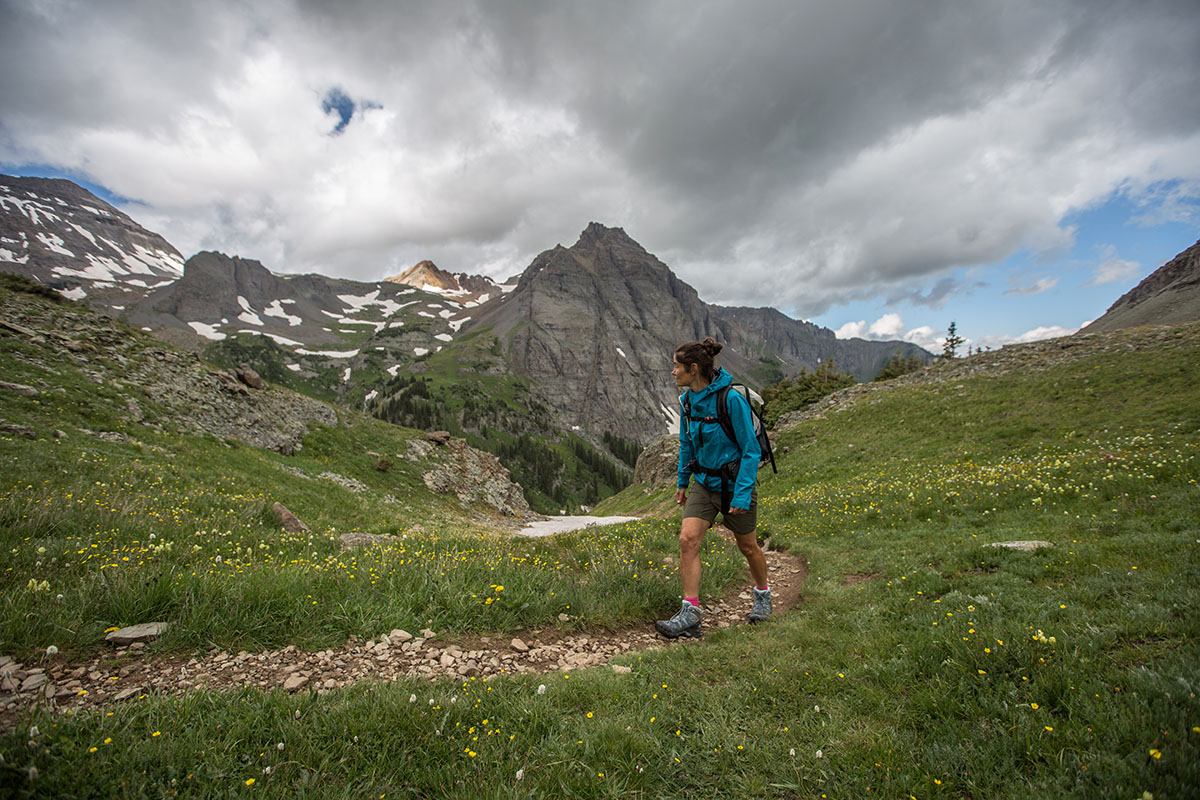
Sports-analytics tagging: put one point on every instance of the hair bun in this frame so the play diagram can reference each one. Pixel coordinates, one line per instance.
(712, 345)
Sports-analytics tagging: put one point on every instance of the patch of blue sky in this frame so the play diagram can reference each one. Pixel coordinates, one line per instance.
(49, 171)
(1115, 245)
(337, 101)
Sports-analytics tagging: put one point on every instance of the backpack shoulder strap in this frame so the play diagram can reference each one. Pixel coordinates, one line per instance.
(723, 413)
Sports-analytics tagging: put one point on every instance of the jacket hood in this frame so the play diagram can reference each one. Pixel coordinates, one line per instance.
(720, 380)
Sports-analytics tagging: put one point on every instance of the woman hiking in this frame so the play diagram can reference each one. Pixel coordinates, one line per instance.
(726, 472)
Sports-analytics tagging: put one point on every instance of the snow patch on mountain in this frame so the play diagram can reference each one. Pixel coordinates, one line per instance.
(9, 255)
(248, 314)
(207, 331)
(275, 309)
(54, 244)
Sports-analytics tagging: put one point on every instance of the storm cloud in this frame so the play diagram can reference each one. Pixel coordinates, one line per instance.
(794, 154)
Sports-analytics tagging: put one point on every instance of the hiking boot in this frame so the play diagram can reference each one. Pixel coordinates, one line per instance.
(762, 605)
(686, 623)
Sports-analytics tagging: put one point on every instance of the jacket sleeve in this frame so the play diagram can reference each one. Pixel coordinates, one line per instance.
(684, 475)
(743, 426)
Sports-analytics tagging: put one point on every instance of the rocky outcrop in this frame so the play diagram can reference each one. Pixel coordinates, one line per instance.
(1169, 295)
(658, 463)
(474, 476)
(196, 398)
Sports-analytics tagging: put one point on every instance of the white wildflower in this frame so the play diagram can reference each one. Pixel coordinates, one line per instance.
(542, 688)
(279, 746)
(520, 774)
(51, 650)
(820, 754)
(412, 698)
(792, 752)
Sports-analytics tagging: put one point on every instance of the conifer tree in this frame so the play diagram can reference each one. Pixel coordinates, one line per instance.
(953, 342)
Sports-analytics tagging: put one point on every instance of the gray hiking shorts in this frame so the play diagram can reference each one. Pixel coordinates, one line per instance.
(704, 503)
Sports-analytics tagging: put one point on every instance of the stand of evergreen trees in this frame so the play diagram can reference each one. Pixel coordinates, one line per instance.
(899, 365)
(605, 471)
(793, 394)
(623, 449)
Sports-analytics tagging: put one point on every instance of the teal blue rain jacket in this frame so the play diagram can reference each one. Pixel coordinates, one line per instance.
(708, 444)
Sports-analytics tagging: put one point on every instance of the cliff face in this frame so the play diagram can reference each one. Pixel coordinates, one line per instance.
(595, 325)
(1169, 295)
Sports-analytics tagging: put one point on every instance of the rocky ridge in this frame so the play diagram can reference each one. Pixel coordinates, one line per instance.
(64, 236)
(1170, 294)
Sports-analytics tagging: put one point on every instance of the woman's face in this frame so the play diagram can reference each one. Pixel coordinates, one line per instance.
(684, 377)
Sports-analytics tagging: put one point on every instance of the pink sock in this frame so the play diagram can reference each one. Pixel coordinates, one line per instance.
(693, 600)
(763, 588)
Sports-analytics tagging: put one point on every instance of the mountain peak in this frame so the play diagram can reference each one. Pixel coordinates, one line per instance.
(425, 273)
(596, 233)
(459, 287)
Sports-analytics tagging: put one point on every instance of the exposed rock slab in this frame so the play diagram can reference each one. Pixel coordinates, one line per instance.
(144, 632)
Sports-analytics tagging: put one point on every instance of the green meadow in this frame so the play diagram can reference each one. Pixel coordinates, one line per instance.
(920, 661)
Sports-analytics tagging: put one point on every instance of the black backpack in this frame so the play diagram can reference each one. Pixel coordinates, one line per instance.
(760, 429)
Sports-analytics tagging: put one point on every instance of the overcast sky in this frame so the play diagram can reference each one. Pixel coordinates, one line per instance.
(881, 168)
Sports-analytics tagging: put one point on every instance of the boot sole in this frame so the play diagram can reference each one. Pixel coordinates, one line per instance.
(687, 633)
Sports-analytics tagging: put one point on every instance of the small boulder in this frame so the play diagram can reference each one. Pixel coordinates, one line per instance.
(249, 377)
(290, 522)
(19, 388)
(519, 646)
(438, 437)
(132, 634)
(295, 682)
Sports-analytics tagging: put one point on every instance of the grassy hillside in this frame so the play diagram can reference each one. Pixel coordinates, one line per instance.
(921, 662)
(110, 520)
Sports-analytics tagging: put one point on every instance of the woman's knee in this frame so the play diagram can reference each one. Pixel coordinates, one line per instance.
(748, 544)
(690, 536)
